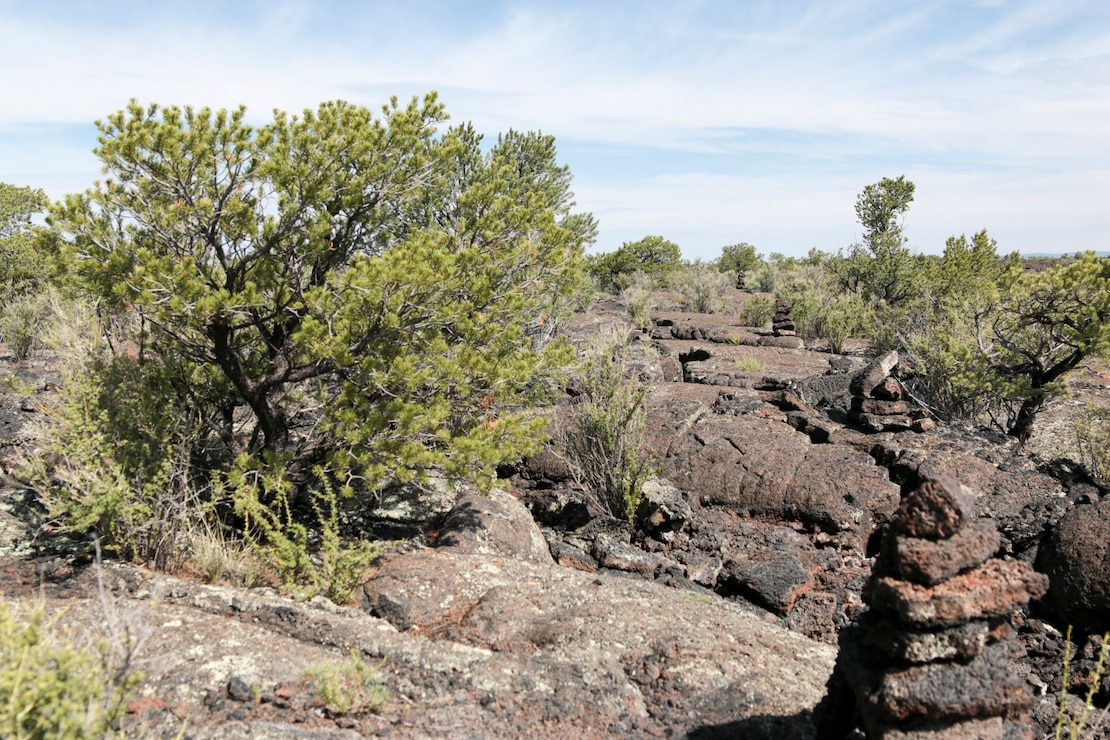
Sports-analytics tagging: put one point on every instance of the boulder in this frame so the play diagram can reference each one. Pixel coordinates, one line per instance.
(1077, 561)
(497, 524)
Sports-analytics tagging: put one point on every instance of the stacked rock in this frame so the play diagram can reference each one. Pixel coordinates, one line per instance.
(878, 399)
(783, 323)
(934, 658)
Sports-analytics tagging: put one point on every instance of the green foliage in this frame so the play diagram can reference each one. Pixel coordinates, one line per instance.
(703, 287)
(335, 289)
(1092, 431)
(748, 362)
(757, 311)
(882, 267)
(604, 440)
(22, 268)
(350, 686)
(263, 499)
(22, 321)
(51, 685)
(652, 255)
(738, 260)
(640, 299)
(117, 462)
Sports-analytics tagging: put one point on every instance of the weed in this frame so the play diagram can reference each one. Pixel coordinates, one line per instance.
(749, 363)
(1076, 727)
(349, 686)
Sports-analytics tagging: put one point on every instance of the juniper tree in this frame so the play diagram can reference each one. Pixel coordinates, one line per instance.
(334, 288)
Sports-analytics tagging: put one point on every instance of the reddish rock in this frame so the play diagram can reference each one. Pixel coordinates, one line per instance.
(995, 588)
(776, 580)
(931, 561)
(879, 406)
(889, 389)
(864, 382)
(497, 524)
(988, 685)
(1077, 559)
(926, 646)
(938, 508)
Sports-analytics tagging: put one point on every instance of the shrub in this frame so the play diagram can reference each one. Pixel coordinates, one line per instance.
(117, 462)
(640, 299)
(349, 686)
(22, 320)
(1092, 431)
(652, 255)
(1076, 727)
(263, 498)
(604, 440)
(703, 288)
(757, 311)
(54, 685)
(749, 363)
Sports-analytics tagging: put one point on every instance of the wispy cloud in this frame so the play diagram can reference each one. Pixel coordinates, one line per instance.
(708, 122)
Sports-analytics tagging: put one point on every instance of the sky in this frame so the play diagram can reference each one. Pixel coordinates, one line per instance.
(708, 123)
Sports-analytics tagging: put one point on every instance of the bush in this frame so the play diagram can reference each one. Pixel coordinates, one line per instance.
(757, 311)
(331, 291)
(604, 440)
(117, 463)
(703, 288)
(1092, 431)
(55, 686)
(652, 255)
(640, 299)
(23, 318)
(349, 686)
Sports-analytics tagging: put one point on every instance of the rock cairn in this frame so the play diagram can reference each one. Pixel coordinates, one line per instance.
(934, 658)
(783, 323)
(879, 401)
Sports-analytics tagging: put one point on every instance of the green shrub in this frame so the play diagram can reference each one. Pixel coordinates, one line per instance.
(749, 363)
(1077, 726)
(350, 686)
(363, 292)
(652, 255)
(757, 311)
(640, 299)
(1092, 431)
(53, 686)
(604, 440)
(703, 288)
(23, 318)
(262, 495)
(117, 462)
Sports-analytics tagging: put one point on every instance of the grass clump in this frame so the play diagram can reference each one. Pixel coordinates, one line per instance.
(749, 363)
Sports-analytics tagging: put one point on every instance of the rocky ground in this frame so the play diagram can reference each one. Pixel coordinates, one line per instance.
(526, 614)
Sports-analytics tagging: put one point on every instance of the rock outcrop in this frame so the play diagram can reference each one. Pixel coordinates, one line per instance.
(935, 656)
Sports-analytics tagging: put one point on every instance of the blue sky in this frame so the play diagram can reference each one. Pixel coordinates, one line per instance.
(708, 123)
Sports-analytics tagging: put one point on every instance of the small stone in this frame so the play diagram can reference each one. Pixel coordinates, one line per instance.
(931, 561)
(882, 422)
(924, 424)
(889, 388)
(867, 379)
(879, 406)
(612, 553)
(994, 589)
(244, 688)
(962, 642)
(937, 509)
(777, 580)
